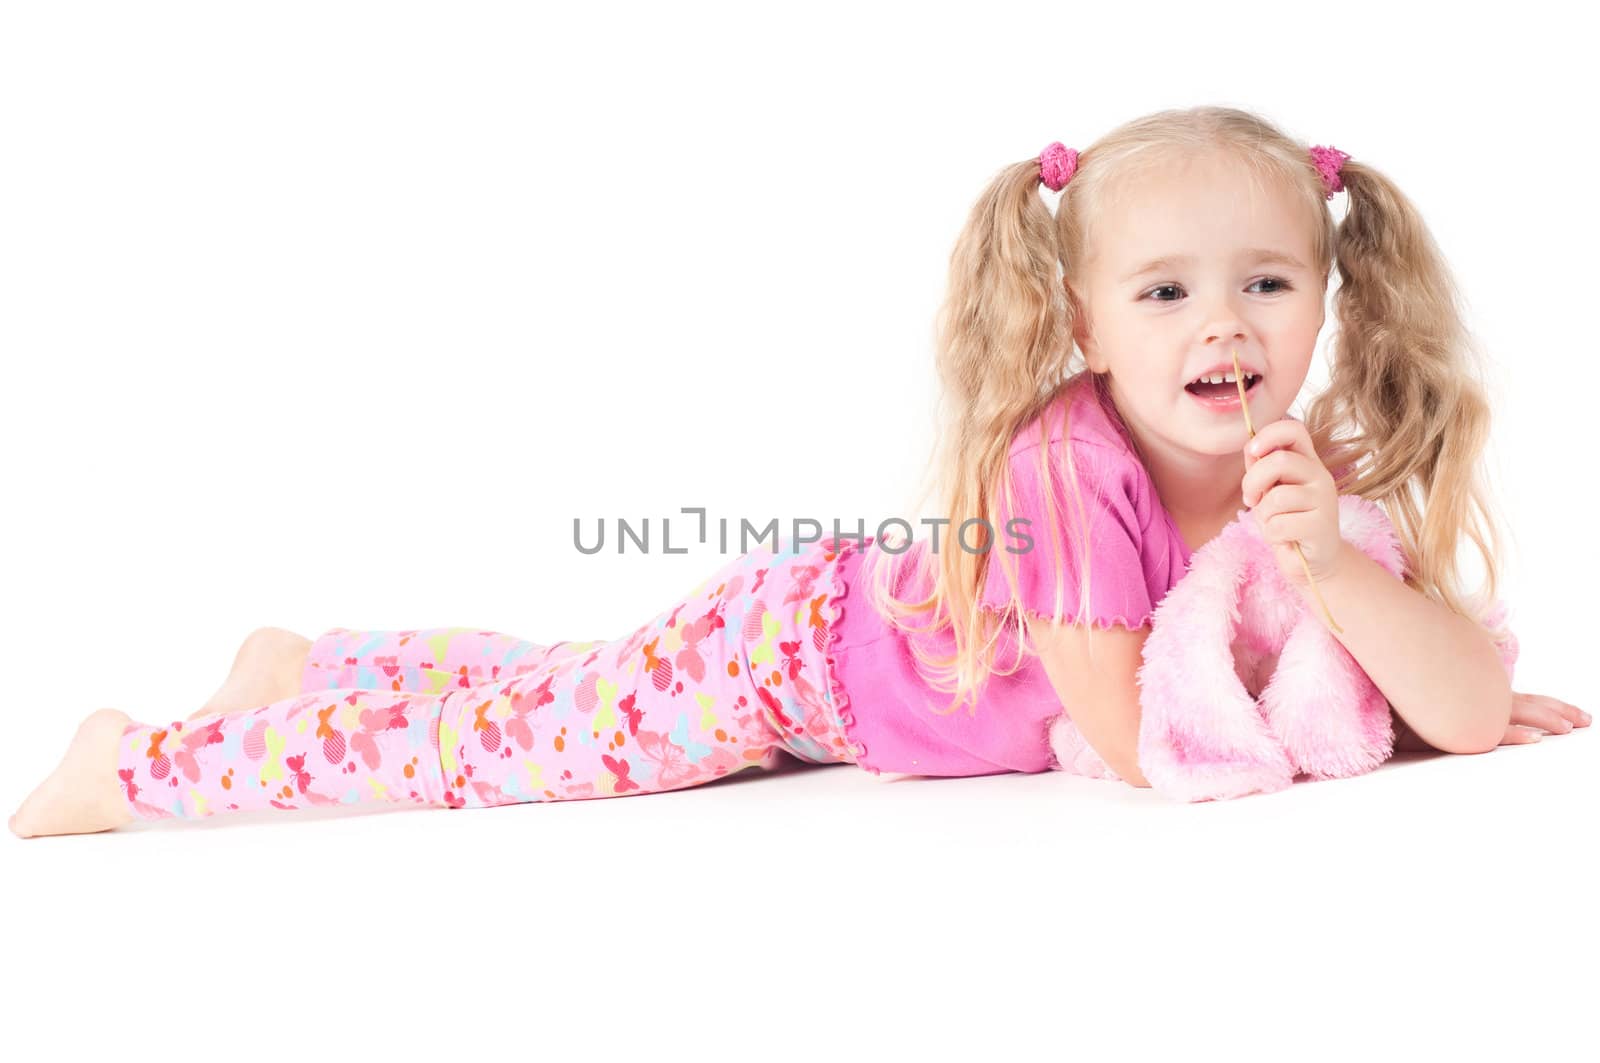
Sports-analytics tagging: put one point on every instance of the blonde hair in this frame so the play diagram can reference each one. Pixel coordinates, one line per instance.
(1403, 421)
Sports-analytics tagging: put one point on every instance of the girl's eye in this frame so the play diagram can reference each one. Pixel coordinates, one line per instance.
(1282, 285)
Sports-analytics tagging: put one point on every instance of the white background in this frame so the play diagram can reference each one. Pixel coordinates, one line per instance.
(319, 314)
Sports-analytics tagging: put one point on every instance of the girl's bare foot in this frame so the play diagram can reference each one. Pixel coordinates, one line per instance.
(82, 795)
(267, 668)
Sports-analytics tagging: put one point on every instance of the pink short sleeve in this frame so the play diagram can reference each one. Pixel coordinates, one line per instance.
(1109, 486)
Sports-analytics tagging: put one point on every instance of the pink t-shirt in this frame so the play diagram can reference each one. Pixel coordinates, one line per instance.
(1137, 555)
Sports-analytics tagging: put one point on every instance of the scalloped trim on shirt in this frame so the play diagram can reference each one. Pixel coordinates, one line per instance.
(1034, 614)
(837, 589)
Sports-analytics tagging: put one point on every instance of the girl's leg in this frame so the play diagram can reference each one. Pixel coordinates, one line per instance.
(372, 736)
(117, 769)
(428, 660)
(330, 747)
(268, 667)
(731, 677)
(273, 663)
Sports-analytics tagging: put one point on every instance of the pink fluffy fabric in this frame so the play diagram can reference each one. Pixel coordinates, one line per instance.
(1203, 733)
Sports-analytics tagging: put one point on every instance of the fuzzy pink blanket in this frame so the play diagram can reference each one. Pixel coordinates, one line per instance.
(1243, 686)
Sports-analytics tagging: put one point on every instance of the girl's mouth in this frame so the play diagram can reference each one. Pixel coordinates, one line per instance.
(1222, 397)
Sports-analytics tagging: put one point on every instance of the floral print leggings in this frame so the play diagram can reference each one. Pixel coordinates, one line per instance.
(730, 677)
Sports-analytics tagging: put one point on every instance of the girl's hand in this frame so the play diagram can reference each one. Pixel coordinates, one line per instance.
(1292, 497)
(1532, 712)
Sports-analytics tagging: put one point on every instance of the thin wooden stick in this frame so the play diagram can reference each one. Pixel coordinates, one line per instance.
(1244, 404)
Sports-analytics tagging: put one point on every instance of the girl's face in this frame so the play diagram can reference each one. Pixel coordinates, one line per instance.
(1155, 328)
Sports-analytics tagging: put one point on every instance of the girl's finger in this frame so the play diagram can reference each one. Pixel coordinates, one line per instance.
(1541, 717)
(1285, 498)
(1285, 434)
(1281, 466)
(1578, 717)
(1538, 711)
(1268, 437)
(1519, 736)
(1294, 527)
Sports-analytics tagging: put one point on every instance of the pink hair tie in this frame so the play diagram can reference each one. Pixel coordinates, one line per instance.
(1057, 164)
(1328, 161)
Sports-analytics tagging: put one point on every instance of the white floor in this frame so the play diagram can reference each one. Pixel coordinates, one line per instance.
(1440, 903)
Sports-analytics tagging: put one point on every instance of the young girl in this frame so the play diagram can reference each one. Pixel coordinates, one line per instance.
(1180, 240)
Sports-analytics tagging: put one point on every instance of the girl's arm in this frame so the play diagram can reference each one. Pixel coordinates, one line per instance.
(1441, 674)
(1101, 695)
